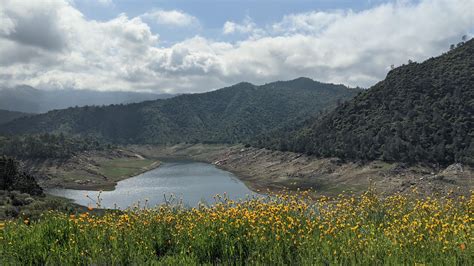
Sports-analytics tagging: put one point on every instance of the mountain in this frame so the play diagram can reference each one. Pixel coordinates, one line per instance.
(30, 100)
(48, 146)
(419, 113)
(7, 116)
(226, 115)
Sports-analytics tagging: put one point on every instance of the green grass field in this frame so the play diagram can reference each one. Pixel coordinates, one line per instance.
(118, 168)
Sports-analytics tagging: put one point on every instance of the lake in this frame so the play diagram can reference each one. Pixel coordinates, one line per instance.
(189, 181)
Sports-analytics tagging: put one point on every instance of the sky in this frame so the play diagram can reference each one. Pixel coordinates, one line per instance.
(184, 46)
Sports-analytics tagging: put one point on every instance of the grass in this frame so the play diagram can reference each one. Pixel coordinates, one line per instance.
(362, 230)
(118, 168)
(103, 173)
(15, 204)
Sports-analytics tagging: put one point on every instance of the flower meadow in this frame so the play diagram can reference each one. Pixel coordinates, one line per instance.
(292, 229)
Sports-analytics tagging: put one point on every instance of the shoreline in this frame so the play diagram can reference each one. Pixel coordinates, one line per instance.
(105, 186)
(93, 170)
(264, 170)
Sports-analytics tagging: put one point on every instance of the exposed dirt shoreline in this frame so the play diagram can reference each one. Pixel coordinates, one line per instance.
(95, 170)
(262, 170)
(259, 169)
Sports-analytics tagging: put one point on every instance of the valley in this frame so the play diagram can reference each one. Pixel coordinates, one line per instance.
(286, 135)
(295, 172)
(260, 169)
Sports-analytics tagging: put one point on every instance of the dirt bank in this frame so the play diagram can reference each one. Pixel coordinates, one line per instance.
(262, 169)
(93, 170)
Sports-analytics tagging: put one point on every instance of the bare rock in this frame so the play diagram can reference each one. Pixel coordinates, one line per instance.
(455, 168)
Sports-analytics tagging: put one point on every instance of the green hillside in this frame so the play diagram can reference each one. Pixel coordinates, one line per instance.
(226, 115)
(421, 112)
(7, 116)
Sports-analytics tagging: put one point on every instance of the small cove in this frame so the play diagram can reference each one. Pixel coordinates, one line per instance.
(190, 181)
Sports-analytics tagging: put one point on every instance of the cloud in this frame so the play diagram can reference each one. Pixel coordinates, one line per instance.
(247, 26)
(83, 53)
(339, 46)
(105, 2)
(33, 24)
(6, 23)
(342, 46)
(310, 22)
(171, 18)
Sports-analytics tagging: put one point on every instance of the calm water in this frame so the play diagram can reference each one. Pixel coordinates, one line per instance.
(193, 182)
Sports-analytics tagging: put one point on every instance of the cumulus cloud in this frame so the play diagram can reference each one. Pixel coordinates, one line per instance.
(171, 17)
(32, 24)
(83, 53)
(310, 23)
(353, 48)
(247, 26)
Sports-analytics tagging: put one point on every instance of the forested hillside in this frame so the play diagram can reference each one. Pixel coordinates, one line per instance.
(46, 146)
(421, 112)
(13, 178)
(7, 116)
(227, 115)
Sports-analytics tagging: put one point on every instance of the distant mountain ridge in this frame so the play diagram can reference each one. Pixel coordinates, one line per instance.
(421, 112)
(226, 115)
(30, 100)
(7, 116)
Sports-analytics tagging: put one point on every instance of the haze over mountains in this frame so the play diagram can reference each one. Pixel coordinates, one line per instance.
(228, 115)
(419, 113)
(30, 100)
(7, 116)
